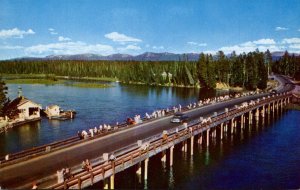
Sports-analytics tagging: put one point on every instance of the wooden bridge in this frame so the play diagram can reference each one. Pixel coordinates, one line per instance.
(222, 124)
(42, 162)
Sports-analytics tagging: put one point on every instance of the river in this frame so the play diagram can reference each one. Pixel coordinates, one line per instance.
(94, 106)
(263, 157)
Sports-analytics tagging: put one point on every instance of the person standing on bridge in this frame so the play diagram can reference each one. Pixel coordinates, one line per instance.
(34, 186)
(79, 135)
(60, 175)
(87, 165)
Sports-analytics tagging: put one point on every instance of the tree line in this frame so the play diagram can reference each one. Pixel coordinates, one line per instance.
(287, 65)
(249, 71)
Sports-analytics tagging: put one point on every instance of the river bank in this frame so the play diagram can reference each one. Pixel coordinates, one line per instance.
(90, 82)
(54, 80)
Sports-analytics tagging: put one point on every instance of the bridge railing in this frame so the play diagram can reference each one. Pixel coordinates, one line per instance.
(158, 141)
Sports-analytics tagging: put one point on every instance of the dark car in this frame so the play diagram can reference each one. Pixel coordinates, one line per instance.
(179, 118)
(274, 92)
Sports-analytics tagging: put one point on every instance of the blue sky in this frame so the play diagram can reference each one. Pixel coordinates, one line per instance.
(40, 27)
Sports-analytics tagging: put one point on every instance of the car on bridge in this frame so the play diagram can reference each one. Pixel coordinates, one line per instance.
(273, 92)
(179, 118)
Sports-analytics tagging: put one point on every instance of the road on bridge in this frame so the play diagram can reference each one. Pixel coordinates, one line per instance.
(25, 172)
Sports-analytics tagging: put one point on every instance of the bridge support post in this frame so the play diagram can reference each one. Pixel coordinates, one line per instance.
(257, 114)
(273, 109)
(281, 104)
(277, 106)
(226, 129)
(146, 169)
(207, 137)
(112, 181)
(269, 110)
(171, 155)
(200, 138)
(232, 125)
(185, 146)
(263, 111)
(285, 100)
(139, 170)
(212, 133)
(221, 135)
(105, 181)
(250, 117)
(242, 121)
(235, 125)
(192, 145)
(164, 156)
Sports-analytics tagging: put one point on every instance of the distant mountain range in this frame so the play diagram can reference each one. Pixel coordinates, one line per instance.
(147, 56)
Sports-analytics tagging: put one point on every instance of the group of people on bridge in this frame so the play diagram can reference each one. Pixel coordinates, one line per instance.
(160, 113)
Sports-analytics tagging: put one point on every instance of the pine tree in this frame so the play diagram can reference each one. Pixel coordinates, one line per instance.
(268, 60)
(3, 99)
(202, 70)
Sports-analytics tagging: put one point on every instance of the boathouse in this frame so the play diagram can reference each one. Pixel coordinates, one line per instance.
(23, 108)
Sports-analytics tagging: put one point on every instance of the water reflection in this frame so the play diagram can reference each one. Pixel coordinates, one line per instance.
(171, 180)
(207, 156)
(145, 184)
(54, 123)
(29, 132)
(191, 165)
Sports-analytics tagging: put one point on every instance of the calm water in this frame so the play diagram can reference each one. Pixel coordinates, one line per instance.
(263, 157)
(94, 107)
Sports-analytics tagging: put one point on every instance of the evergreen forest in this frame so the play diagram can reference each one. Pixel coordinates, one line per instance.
(249, 71)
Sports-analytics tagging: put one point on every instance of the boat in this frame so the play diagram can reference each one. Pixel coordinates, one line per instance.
(54, 112)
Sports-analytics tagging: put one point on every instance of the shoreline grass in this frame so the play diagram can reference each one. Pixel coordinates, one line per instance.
(52, 77)
(33, 81)
(45, 81)
(89, 85)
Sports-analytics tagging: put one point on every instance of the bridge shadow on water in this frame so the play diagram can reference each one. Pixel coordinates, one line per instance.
(248, 159)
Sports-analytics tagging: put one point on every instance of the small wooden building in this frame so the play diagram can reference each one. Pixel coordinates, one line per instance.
(52, 110)
(23, 108)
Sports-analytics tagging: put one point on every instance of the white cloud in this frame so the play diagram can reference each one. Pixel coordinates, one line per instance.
(69, 48)
(279, 28)
(209, 52)
(130, 47)
(9, 47)
(192, 43)
(291, 41)
(261, 45)
(133, 47)
(266, 41)
(117, 37)
(295, 46)
(197, 44)
(158, 47)
(15, 33)
(61, 39)
(52, 31)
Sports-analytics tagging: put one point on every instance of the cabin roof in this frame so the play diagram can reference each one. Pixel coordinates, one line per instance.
(19, 102)
(52, 106)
